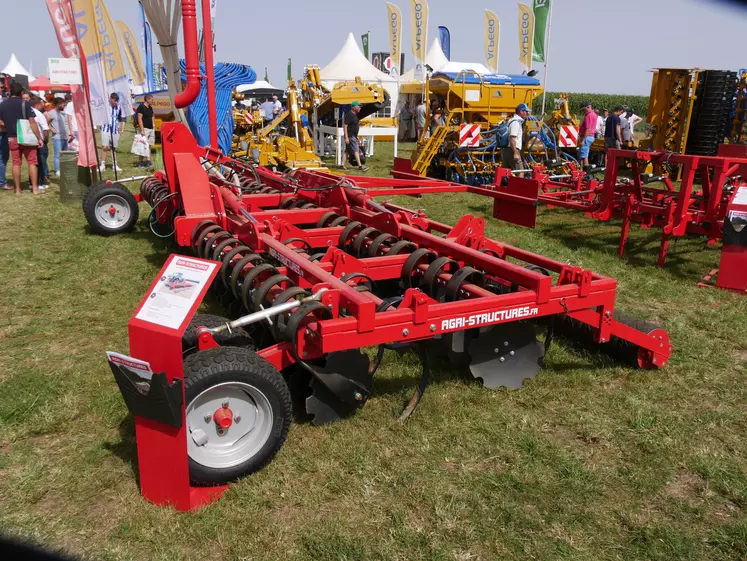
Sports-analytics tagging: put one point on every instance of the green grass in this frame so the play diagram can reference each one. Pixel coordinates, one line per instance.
(590, 460)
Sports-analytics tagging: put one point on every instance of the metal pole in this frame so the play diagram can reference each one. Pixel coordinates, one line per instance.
(207, 35)
(547, 57)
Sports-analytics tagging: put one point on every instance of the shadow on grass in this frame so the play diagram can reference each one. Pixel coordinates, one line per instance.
(126, 448)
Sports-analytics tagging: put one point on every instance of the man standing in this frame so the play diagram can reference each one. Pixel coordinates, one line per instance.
(43, 152)
(277, 107)
(111, 131)
(511, 154)
(612, 131)
(405, 118)
(419, 118)
(60, 136)
(268, 110)
(601, 121)
(351, 125)
(72, 122)
(12, 110)
(586, 133)
(631, 120)
(145, 127)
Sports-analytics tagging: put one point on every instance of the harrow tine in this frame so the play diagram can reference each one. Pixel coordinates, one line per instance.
(422, 384)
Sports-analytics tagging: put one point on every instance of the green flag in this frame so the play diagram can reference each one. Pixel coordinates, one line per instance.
(266, 78)
(364, 40)
(541, 9)
(290, 72)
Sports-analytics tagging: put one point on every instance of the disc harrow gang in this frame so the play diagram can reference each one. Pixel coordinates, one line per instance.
(315, 270)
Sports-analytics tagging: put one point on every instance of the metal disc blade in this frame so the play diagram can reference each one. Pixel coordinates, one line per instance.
(324, 406)
(506, 355)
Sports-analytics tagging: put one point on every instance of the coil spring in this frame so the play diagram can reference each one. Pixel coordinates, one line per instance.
(153, 190)
(254, 282)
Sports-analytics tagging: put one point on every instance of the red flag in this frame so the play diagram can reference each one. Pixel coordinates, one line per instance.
(61, 12)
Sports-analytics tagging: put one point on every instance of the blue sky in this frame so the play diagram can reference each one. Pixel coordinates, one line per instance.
(604, 46)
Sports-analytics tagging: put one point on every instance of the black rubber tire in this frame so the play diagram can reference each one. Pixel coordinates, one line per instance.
(238, 338)
(229, 364)
(100, 190)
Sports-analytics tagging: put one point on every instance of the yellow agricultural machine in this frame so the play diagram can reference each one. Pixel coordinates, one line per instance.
(453, 149)
(287, 141)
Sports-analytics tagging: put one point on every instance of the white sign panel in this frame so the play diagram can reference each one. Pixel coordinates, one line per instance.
(176, 292)
(65, 71)
(741, 197)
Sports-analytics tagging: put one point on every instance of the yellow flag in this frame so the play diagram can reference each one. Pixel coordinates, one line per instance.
(492, 32)
(395, 34)
(418, 27)
(132, 52)
(526, 34)
(113, 65)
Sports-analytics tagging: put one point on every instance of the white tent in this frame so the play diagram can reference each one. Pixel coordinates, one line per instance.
(351, 62)
(15, 68)
(258, 85)
(434, 57)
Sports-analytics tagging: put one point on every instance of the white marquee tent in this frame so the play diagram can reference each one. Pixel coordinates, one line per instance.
(15, 68)
(351, 62)
(435, 58)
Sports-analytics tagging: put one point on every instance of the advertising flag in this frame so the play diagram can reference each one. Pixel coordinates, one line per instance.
(132, 53)
(114, 68)
(394, 21)
(418, 31)
(444, 36)
(61, 12)
(89, 41)
(526, 35)
(541, 10)
(492, 29)
(146, 43)
(364, 42)
(266, 78)
(290, 72)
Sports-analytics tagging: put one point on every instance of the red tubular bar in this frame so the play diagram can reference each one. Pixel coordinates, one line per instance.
(207, 39)
(191, 57)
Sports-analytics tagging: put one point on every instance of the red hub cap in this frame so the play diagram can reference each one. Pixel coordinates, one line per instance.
(112, 210)
(223, 417)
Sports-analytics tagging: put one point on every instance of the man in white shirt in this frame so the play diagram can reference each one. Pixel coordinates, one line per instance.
(602, 122)
(277, 107)
(511, 154)
(42, 154)
(628, 130)
(72, 122)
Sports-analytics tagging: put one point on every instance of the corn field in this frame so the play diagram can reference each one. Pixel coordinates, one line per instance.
(638, 103)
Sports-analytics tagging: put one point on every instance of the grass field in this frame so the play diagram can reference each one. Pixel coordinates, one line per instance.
(590, 460)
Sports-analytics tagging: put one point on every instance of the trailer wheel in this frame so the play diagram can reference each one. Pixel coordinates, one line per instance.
(110, 208)
(238, 337)
(238, 412)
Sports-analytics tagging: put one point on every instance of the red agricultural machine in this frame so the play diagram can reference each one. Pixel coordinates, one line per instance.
(322, 270)
(311, 269)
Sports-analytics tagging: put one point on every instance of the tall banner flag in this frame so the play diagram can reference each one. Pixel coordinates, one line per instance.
(132, 53)
(491, 35)
(114, 68)
(61, 12)
(418, 32)
(146, 43)
(541, 9)
(526, 35)
(364, 41)
(266, 78)
(444, 37)
(106, 72)
(85, 21)
(290, 72)
(394, 21)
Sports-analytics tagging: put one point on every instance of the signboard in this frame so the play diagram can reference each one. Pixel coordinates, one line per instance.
(180, 285)
(469, 135)
(65, 71)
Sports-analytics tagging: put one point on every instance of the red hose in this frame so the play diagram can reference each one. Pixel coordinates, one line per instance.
(189, 15)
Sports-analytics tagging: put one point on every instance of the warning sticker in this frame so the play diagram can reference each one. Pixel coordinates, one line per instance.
(176, 291)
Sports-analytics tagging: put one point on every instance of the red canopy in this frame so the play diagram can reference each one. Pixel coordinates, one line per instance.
(42, 83)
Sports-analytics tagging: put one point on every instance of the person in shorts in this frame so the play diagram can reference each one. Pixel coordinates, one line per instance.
(12, 110)
(612, 130)
(351, 126)
(511, 154)
(111, 131)
(586, 133)
(145, 128)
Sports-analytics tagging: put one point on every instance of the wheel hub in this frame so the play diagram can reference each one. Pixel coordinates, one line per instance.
(223, 418)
